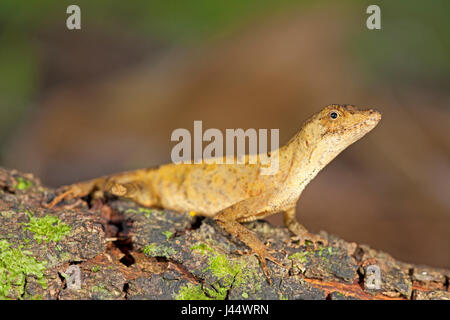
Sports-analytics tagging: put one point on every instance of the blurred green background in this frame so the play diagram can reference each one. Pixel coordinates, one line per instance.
(78, 104)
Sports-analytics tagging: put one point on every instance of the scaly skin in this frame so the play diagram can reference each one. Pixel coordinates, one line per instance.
(236, 193)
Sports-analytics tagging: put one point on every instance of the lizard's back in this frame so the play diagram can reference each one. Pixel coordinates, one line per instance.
(209, 188)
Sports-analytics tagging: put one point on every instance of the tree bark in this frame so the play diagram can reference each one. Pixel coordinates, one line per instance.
(114, 249)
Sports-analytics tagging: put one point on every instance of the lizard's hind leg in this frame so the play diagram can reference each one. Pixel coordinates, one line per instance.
(135, 185)
(300, 231)
(75, 191)
(141, 193)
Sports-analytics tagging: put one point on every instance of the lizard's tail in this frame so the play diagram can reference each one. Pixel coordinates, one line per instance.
(136, 185)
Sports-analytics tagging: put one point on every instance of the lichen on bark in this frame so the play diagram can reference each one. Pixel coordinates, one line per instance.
(124, 251)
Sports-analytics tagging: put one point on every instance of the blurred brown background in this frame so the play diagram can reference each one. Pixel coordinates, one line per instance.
(78, 104)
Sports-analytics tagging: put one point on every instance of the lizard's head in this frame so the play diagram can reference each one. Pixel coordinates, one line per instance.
(347, 122)
(337, 126)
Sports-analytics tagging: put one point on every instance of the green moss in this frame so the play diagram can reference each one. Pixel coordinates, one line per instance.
(155, 250)
(300, 256)
(219, 264)
(225, 269)
(95, 268)
(203, 248)
(148, 212)
(217, 291)
(48, 228)
(100, 289)
(324, 250)
(168, 234)
(245, 295)
(324, 253)
(192, 292)
(22, 184)
(229, 273)
(320, 251)
(303, 256)
(149, 249)
(15, 265)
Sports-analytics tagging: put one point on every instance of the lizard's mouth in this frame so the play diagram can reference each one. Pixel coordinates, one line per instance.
(364, 126)
(374, 115)
(372, 119)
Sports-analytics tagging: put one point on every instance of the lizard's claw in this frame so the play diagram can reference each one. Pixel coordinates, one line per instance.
(303, 239)
(262, 256)
(302, 235)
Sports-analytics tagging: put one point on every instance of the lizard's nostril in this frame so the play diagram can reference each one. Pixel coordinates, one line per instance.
(374, 112)
(376, 115)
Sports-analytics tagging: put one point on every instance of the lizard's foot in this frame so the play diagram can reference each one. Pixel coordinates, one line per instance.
(66, 195)
(260, 254)
(256, 246)
(310, 238)
(70, 192)
(263, 254)
(303, 235)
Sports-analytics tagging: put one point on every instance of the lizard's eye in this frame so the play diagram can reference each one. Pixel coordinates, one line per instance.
(334, 115)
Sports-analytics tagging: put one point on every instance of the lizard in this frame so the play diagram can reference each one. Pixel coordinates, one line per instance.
(232, 194)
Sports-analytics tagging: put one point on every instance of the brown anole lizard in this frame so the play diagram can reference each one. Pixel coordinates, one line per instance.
(236, 193)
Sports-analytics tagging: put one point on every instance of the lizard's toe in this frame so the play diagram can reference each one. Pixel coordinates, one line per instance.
(265, 269)
(274, 260)
(66, 195)
(263, 256)
(309, 239)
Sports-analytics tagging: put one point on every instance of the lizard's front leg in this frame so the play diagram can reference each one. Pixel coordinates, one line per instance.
(229, 220)
(300, 231)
